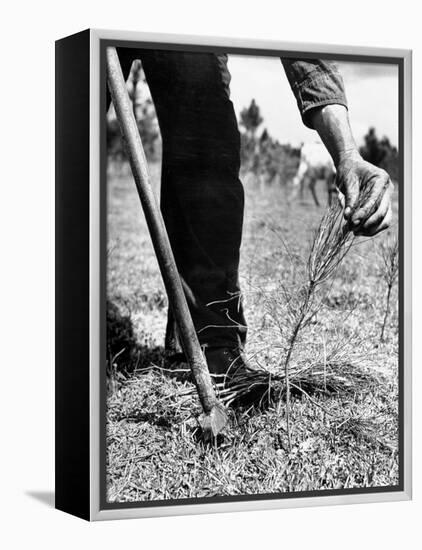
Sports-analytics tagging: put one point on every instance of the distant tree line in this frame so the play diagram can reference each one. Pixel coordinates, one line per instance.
(146, 119)
(262, 155)
(265, 157)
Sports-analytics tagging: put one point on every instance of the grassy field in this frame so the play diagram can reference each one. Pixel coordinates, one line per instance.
(338, 439)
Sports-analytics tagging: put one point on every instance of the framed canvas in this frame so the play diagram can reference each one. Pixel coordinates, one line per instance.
(233, 303)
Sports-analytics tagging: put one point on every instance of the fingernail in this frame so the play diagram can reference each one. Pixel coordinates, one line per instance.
(356, 221)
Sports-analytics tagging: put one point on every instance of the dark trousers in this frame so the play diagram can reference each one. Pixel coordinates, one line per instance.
(202, 198)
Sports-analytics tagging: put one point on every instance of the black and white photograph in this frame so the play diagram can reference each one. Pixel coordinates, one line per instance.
(252, 303)
(211, 275)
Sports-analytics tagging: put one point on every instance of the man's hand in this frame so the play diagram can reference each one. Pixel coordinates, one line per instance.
(367, 191)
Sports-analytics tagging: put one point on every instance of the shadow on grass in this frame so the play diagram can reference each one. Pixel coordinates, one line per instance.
(124, 352)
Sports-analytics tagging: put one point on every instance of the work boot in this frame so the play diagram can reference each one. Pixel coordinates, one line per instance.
(225, 362)
(227, 367)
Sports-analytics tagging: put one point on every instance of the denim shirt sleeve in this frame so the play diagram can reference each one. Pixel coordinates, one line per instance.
(315, 83)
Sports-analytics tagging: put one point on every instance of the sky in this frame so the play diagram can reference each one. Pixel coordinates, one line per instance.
(371, 90)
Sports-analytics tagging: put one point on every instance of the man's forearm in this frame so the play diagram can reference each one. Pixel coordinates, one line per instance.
(332, 124)
(367, 214)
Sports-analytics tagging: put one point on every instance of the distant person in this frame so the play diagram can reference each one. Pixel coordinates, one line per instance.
(202, 198)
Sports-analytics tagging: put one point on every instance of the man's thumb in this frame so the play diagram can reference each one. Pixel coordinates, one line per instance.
(351, 193)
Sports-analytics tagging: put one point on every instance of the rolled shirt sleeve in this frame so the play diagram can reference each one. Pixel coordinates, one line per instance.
(315, 83)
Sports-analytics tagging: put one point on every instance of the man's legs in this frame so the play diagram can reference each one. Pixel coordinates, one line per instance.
(202, 197)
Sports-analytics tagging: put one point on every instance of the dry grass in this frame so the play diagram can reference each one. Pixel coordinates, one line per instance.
(155, 450)
(343, 407)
